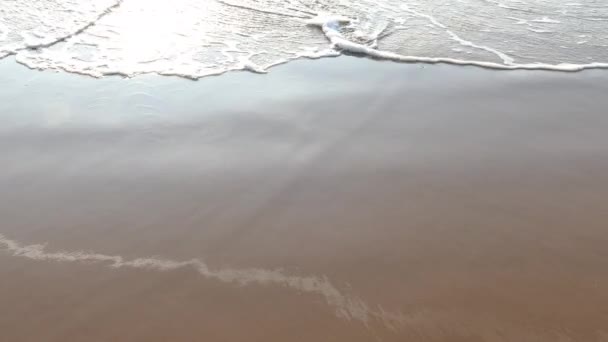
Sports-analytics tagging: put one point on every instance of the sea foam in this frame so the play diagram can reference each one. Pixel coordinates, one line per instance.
(346, 306)
(198, 38)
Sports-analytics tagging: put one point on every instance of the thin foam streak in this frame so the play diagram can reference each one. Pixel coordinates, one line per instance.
(346, 306)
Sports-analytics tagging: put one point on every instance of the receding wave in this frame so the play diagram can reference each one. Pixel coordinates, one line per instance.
(197, 38)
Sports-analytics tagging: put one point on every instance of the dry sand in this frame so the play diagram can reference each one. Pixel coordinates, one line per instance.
(316, 203)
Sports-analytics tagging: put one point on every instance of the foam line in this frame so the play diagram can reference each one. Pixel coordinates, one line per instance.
(501, 5)
(227, 3)
(504, 57)
(345, 306)
(77, 32)
(54, 41)
(330, 26)
(546, 20)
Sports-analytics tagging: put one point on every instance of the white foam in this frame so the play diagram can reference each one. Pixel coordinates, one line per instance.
(504, 57)
(194, 39)
(262, 10)
(546, 20)
(3, 32)
(348, 307)
(329, 24)
(32, 30)
(508, 7)
(537, 30)
(595, 19)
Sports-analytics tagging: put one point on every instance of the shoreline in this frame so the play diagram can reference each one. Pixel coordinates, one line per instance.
(397, 59)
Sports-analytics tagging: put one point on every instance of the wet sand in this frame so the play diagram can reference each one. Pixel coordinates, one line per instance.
(332, 200)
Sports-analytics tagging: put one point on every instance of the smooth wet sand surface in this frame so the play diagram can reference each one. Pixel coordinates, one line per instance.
(332, 200)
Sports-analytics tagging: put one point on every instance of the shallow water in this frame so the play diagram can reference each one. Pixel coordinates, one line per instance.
(193, 38)
(312, 208)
